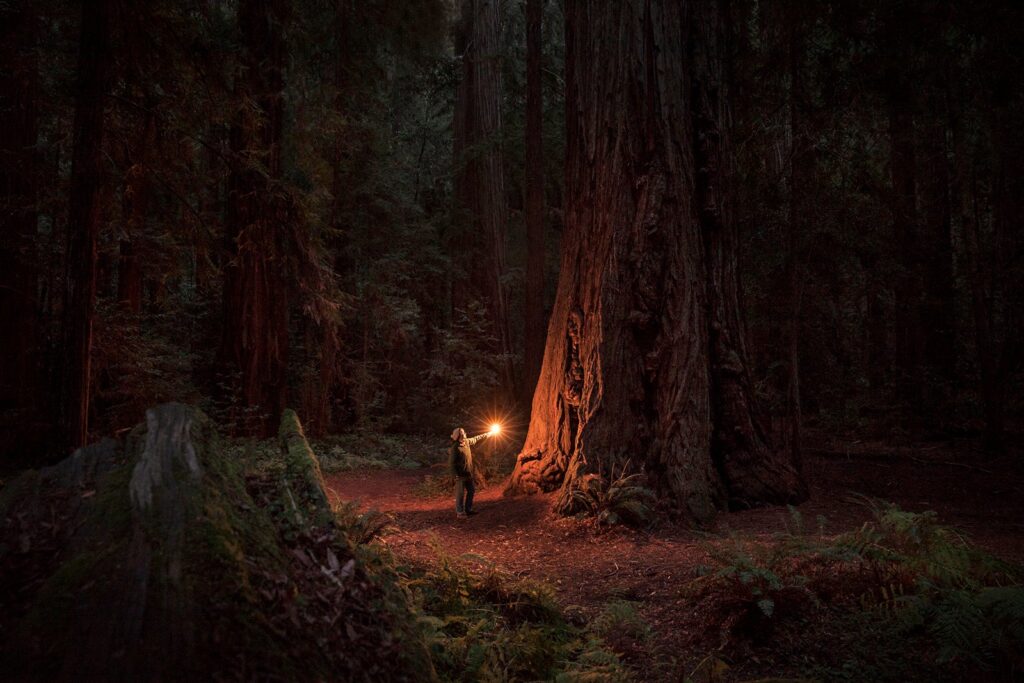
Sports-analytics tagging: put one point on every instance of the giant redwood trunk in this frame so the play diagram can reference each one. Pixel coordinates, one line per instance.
(533, 351)
(480, 176)
(254, 350)
(645, 365)
(19, 126)
(84, 215)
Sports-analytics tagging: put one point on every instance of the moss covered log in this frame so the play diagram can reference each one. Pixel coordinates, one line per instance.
(303, 479)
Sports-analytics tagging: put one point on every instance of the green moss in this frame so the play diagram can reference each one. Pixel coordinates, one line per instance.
(302, 470)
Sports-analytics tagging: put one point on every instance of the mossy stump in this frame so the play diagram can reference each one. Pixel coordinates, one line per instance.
(149, 559)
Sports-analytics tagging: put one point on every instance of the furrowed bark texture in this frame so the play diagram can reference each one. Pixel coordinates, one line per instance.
(533, 351)
(137, 191)
(480, 177)
(255, 342)
(645, 360)
(19, 266)
(85, 200)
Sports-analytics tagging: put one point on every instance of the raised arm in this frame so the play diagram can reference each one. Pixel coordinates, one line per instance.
(476, 439)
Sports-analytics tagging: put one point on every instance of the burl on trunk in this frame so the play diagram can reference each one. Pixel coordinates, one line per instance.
(645, 361)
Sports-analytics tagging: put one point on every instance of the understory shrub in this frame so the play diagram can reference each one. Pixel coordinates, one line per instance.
(901, 584)
(370, 451)
(615, 500)
(488, 626)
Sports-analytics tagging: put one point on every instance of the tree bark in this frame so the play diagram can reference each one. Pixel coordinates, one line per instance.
(84, 215)
(19, 267)
(535, 322)
(138, 187)
(907, 288)
(254, 348)
(938, 307)
(801, 184)
(645, 362)
(480, 175)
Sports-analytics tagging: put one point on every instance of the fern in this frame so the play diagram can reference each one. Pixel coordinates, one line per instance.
(362, 527)
(615, 500)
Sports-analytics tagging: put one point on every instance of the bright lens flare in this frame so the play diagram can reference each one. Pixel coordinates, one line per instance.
(495, 428)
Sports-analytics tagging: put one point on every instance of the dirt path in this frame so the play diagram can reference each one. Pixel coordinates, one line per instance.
(521, 535)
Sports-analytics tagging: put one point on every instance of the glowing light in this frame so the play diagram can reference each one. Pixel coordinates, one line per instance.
(495, 428)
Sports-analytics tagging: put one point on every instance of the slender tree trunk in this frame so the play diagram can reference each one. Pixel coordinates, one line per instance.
(645, 361)
(938, 308)
(902, 166)
(136, 205)
(877, 343)
(995, 310)
(324, 334)
(986, 347)
(19, 268)
(94, 68)
(535, 322)
(480, 176)
(255, 342)
(801, 183)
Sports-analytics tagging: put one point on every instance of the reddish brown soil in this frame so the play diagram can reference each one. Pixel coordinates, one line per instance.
(523, 537)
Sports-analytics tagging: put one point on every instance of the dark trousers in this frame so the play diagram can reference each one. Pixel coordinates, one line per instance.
(464, 490)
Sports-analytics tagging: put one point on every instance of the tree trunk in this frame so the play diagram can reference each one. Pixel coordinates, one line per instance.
(19, 268)
(876, 358)
(645, 361)
(480, 176)
(255, 342)
(801, 184)
(84, 215)
(938, 307)
(905, 228)
(535, 322)
(136, 204)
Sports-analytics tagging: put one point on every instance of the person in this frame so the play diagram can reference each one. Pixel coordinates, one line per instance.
(460, 459)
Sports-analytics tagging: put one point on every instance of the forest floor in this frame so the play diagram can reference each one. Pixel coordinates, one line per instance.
(590, 568)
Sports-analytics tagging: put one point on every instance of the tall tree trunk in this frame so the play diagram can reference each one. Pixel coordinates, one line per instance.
(876, 346)
(84, 215)
(19, 263)
(937, 263)
(801, 184)
(480, 176)
(991, 275)
(256, 290)
(645, 360)
(535, 322)
(138, 187)
(902, 167)
(324, 334)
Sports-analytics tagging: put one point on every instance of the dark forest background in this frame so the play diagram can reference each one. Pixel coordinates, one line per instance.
(354, 209)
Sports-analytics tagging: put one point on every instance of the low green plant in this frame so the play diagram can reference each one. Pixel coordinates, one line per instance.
(373, 451)
(897, 543)
(901, 577)
(489, 626)
(615, 500)
(620, 618)
(984, 626)
(753, 586)
(362, 527)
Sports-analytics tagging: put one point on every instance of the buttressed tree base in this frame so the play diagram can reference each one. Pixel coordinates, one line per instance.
(645, 364)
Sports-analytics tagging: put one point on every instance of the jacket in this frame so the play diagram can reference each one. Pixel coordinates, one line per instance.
(460, 456)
